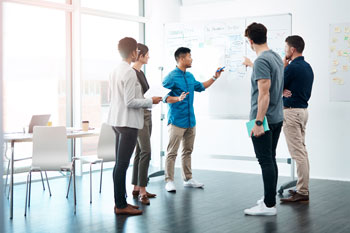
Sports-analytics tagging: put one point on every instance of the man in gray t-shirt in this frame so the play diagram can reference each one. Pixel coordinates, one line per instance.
(266, 100)
(268, 65)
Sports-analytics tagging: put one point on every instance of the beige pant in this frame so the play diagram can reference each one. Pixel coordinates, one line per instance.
(176, 136)
(295, 120)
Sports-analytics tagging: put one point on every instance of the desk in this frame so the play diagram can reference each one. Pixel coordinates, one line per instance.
(26, 137)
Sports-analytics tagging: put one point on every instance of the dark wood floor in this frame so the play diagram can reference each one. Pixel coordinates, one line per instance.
(217, 208)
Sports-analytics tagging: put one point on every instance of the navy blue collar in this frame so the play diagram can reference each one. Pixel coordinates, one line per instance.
(301, 58)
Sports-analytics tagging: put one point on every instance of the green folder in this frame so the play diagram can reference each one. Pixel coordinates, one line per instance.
(250, 125)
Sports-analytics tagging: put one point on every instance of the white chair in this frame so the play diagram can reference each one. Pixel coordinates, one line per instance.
(50, 153)
(105, 153)
(8, 159)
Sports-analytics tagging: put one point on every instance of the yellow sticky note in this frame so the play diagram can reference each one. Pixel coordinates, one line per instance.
(335, 62)
(334, 39)
(338, 81)
(334, 70)
(333, 48)
(347, 29)
(345, 68)
(337, 29)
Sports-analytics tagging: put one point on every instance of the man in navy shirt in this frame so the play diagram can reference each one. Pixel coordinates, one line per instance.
(181, 119)
(298, 79)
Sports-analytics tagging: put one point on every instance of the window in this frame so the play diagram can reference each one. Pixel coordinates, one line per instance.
(99, 43)
(129, 7)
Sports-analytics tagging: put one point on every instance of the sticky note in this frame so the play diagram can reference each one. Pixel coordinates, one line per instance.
(345, 68)
(334, 40)
(334, 70)
(335, 62)
(340, 53)
(347, 29)
(337, 29)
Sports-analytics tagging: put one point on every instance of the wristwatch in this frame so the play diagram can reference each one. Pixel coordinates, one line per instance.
(258, 123)
(213, 78)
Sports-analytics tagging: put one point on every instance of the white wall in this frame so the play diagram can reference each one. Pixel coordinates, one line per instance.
(327, 128)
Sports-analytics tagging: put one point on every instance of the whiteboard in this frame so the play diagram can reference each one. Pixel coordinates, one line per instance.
(220, 43)
(339, 68)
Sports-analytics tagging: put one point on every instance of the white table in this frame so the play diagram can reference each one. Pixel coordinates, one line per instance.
(27, 137)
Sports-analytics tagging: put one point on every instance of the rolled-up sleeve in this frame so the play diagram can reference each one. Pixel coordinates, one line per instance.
(198, 86)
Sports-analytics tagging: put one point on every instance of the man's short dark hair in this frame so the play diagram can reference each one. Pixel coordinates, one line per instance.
(297, 42)
(180, 52)
(257, 33)
(126, 46)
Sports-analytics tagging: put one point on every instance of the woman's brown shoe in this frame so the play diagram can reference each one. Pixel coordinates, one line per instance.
(144, 199)
(151, 195)
(128, 210)
(135, 193)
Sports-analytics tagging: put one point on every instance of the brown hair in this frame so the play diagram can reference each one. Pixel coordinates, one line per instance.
(257, 33)
(126, 46)
(143, 50)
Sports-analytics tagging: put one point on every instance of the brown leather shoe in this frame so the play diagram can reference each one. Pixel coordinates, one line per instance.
(296, 198)
(151, 195)
(144, 199)
(127, 211)
(292, 191)
(135, 193)
(133, 206)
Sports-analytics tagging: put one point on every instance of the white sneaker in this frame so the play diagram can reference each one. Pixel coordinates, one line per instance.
(170, 186)
(193, 183)
(261, 209)
(260, 200)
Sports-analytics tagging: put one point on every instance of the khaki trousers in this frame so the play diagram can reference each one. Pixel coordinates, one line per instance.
(143, 152)
(294, 124)
(176, 136)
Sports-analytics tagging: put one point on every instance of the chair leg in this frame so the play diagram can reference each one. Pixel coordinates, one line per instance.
(25, 206)
(90, 183)
(8, 172)
(70, 179)
(42, 180)
(74, 190)
(30, 187)
(101, 176)
(48, 185)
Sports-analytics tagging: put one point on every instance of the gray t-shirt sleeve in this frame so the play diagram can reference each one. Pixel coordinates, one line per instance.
(262, 69)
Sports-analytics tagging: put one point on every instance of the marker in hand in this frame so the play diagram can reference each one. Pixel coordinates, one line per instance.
(220, 69)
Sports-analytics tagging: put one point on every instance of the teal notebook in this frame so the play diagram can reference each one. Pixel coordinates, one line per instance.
(250, 125)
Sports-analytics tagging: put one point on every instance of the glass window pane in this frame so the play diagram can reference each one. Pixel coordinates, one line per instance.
(34, 66)
(99, 41)
(129, 7)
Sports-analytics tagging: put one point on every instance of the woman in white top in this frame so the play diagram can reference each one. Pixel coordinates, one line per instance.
(126, 117)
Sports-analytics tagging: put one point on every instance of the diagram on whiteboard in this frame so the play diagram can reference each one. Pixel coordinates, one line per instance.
(339, 48)
(212, 45)
(219, 43)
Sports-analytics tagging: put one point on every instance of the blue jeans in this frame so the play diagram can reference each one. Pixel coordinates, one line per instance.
(265, 151)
